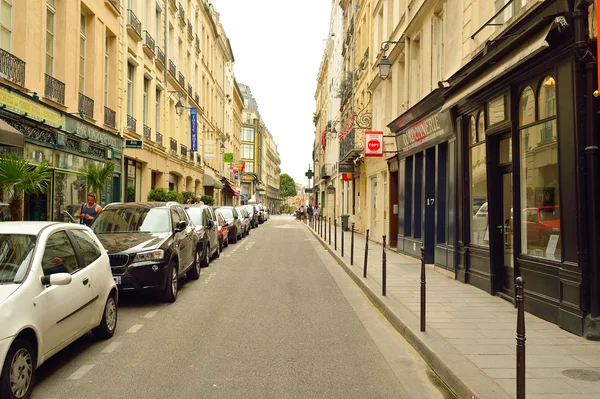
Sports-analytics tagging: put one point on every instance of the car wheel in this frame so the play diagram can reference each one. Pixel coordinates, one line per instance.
(108, 325)
(172, 287)
(206, 258)
(194, 272)
(235, 236)
(226, 242)
(217, 252)
(18, 372)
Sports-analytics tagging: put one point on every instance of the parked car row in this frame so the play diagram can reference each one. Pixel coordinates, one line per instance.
(73, 274)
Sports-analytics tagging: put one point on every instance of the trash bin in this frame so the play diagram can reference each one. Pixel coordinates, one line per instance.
(345, 222)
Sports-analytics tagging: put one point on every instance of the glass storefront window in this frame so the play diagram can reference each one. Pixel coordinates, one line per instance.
(134, 180)
(477, 165)
(37, 154)
(69, 194)
(540, 199)
(64, 160)
(472, 130)
(496, 111)
(527, 107)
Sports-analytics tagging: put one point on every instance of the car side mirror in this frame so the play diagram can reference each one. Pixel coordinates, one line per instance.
(57, 279)
(181, 225)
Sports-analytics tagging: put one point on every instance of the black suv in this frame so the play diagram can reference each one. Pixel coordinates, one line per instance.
(150, 245)
(204, 221)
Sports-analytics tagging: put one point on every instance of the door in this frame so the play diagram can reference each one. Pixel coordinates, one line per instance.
(66, 308)
(501, 217)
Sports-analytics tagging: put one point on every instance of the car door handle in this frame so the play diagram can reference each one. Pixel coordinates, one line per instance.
(86, 281)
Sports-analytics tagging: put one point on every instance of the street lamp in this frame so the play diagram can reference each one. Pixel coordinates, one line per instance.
(179, 107)
(384, 64)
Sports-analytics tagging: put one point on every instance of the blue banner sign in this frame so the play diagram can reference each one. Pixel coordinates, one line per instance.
(194, 129)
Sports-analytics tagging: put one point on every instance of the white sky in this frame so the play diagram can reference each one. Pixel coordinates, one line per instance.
(278, 46)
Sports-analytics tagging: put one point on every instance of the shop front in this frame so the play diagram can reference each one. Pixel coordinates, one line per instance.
(67, 144)
(230, 192)
(521, 149)
(426, 170)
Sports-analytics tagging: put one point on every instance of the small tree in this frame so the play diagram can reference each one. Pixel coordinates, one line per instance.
(22, 178)
(157, 194)
(207, 199)
(187, 195)
(287, 186)
(96, 176)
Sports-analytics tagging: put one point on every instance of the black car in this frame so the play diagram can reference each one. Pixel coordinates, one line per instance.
(232, 217)
(204, 221)
(150, 245)
(253, 211)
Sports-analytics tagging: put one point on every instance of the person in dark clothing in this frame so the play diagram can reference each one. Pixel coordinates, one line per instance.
(309, 211)
(88, 211)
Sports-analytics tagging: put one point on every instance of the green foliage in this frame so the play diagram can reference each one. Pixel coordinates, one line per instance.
(287, 185)
(130, 194)
(96, 177)
(187, 195)
(157, 194)
(22, 178)
(207, 199)
(173, 195)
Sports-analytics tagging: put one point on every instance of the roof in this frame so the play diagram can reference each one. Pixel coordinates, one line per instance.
(32, 228)
(144, 205)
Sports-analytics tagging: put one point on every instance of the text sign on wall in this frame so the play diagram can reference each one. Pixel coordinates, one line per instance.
(433, 127)
(194, 129)
(373, 144)
(209, 149)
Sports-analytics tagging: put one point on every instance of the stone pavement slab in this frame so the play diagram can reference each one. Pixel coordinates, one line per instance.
(470, 340)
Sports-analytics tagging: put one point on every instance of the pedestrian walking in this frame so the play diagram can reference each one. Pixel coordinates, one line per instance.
(309, 211)
(317, 211)
(88, 211)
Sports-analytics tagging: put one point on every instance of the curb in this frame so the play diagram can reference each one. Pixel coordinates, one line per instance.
(442, 364)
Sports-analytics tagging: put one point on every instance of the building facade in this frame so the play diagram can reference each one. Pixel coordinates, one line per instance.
(52, 114)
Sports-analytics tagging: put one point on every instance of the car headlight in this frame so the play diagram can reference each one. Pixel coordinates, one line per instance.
(150, 256)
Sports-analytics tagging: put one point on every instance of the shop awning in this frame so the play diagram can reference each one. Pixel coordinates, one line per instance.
(536, 44)
(10, 136)
(229, 184)
(244, 197)
(210, 181)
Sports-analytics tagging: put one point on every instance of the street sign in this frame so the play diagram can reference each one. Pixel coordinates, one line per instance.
(194, 129)
(346, 167)
(136, 144)
(373, 144)
(308, 190)
(228, 157)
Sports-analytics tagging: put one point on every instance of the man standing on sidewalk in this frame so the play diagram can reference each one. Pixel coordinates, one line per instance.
(309, 212)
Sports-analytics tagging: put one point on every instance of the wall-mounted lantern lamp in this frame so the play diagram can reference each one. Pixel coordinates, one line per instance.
(384, 64)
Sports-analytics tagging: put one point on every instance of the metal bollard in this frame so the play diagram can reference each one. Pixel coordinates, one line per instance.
(383, 269)
(342, 241)
(330, 231)
(520, 299)
(320, 225)
(422, 289)
(366, 254)
(335, 234)
(352, 246)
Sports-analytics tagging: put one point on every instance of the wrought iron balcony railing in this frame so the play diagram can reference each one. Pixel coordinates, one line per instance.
(190, 29)
(184, 150)
(173, 145)
(54, 89)
(116, 4)
(131, 123)
(197, 43)
(191, 156)
(147, 132)
(134, 23)
(149, 42)
(86, 106)
(160, 56)
(190, 90)
(159, 139)
(198, 158)
(351, 145)
(172, 69)
(12, 68)
(197, 98)
(181, 13)
(110, 117)
(181, 79)
(326, 171)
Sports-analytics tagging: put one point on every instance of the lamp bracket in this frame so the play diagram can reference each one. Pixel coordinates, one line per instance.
(385, 46)
(363, 116)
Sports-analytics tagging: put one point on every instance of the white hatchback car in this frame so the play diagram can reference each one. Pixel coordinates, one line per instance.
(55, 286)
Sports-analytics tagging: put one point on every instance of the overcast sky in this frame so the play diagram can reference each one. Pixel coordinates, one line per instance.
(278, 45)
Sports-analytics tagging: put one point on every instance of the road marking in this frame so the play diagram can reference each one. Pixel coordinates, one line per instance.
(151, 314)
(111, 347)
(80, 372)
(133, 329)
(250, 244)
(209, 277)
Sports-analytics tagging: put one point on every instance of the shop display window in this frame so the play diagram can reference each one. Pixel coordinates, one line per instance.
(480, 230)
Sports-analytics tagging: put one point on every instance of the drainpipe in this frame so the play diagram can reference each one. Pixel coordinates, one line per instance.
(580, 15)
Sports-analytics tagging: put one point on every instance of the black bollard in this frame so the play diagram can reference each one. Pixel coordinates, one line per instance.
(335, 234)
(320, 224)
(422, 289)
(366, 254)
(342, 242)
(352, 246)
(325, 228)
(330, 231)
(520, 296)
(383, 269)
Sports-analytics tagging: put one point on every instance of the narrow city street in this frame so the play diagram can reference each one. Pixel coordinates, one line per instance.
(274, 317)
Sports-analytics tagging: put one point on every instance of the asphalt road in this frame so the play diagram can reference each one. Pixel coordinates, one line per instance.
(274, 317)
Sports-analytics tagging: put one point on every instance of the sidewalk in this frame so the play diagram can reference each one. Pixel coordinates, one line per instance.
(470, 340)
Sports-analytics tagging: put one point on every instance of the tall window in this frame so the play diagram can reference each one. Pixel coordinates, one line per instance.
(540, 195)
(50, 34)
(82, 53)
(247, 134)
(145, 105)
(6, 24)
(249, 167)
(157, 111)
(130, 87)
(248, 151)
(157, 27)
(106, 71)
(477, 165)
(437, 50)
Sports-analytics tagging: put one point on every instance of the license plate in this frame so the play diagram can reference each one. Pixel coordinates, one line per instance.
(117, 280)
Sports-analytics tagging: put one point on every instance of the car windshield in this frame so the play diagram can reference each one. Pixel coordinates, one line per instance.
(547, 214)
(132, 220)
(226, 212)
(196, 215)
(15, 254)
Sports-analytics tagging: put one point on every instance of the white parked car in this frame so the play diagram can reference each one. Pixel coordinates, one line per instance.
(55, 286)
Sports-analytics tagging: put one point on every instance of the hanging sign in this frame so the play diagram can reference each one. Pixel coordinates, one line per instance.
(228, 157)
(345, 167)
(194, 129)
(373, 144)
(236, 175)
(209, 149)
